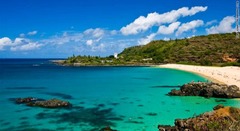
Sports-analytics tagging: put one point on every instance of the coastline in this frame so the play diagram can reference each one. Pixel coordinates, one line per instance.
(61, 62)
(225, 75)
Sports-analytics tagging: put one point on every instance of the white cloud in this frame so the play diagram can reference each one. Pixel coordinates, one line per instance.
(89, 42)
(211, 22)
(189, 26)
(100, 47)
(26, 47)
(19, 41)
(225, 26)
(146, 40)
(168, 30)
(5, 41)
(142, 23)
(88, 36)
(65, 37)
(98, 32)
(32, 33)
(19, 44)
(113, 32)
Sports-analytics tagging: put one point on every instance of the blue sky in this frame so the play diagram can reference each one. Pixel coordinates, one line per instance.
(61, 28)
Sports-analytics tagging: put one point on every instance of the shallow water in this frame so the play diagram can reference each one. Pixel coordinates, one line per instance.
(125, 98)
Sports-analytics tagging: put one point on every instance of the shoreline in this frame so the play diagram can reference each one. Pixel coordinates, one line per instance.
(229, 75)
(61, 63)
(224, 75)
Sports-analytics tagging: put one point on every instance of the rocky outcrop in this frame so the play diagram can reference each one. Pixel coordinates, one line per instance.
(52, 103)
(107, 129)
(207, 89)
(25, 100)
(220, 119)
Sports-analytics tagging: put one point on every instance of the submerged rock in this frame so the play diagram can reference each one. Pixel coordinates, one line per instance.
(25, 100)
(220, 119)
(108, 128)
(52, 103)
(206, 89)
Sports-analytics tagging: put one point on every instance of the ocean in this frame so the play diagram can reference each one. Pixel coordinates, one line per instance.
(125, 98)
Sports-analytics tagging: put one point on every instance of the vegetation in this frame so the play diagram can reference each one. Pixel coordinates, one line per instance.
(224, 119)
(217, 50)
(220, 119)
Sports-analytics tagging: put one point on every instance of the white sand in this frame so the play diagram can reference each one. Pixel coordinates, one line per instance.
(228, 75)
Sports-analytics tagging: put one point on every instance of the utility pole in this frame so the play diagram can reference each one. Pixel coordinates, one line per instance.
(237, 19)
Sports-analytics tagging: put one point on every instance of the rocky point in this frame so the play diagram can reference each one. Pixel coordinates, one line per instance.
(220, 119)
(207, 89)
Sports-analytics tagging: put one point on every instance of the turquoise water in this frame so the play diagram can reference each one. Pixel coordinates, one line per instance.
(125, 98)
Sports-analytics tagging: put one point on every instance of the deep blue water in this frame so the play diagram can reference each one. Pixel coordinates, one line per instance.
(125, 98)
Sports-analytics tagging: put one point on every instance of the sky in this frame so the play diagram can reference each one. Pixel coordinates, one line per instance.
(62, 28)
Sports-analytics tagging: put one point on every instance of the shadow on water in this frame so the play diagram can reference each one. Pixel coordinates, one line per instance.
(90, 119)
(114, 104)
(152, 114)
(24, 123)
(5, 123)
(23, 118)
(25, 128)
(221, 100)
(94, 117)
(22, 110)
(134, 122)
(56, 94)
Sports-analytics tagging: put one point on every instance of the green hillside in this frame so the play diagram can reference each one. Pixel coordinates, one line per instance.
(217, 49)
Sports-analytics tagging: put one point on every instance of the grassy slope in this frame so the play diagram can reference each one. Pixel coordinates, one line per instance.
(203, 50)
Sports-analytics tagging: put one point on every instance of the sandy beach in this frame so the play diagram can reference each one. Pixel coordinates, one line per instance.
(228, 75)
